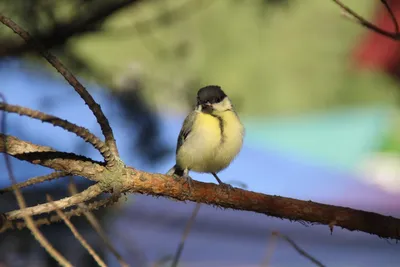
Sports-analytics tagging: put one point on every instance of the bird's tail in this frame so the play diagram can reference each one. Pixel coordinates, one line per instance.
(175, 170)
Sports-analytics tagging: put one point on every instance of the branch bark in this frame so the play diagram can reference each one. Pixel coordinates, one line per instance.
(49, 157)
(88, 194)
(135, 181)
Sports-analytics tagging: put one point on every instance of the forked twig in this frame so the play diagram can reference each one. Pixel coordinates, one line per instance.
(189, 224)
(79, 88)
(35, 180)
(21, 203)
(359, 19)
(77, 235)
(96, 225)
(81, 132)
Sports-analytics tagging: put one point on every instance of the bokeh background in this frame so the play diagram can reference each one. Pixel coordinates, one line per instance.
(318, 94)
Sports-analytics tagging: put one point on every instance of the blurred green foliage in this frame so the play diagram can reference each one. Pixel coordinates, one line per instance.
(288, 59)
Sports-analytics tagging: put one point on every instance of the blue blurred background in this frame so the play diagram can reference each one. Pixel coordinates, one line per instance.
(321, 117)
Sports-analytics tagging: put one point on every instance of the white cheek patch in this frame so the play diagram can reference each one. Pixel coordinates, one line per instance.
(223, 105)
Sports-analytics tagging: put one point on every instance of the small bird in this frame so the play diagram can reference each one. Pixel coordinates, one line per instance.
(210, 138)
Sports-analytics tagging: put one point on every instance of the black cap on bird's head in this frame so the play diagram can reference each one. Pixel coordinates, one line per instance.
(210, 94)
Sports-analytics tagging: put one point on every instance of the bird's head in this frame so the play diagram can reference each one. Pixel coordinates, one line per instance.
(211, 99)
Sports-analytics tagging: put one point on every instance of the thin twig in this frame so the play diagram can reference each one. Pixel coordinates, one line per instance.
(392, 16)
(77, 211)
(77, 235)
(189, 224)
(81, 132)
(299, 249)
(35, 180)
(162, 261)
(359, 19)
(96, 225)
(90, 193)
(22, 204)
(79, 88)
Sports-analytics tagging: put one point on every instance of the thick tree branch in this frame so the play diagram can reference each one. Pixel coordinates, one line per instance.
(79, 88)
(135, 181)
(81, 132)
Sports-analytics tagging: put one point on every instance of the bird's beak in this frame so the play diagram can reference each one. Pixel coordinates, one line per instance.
(206, 105)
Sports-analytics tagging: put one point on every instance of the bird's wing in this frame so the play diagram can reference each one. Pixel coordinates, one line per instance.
(186, 129)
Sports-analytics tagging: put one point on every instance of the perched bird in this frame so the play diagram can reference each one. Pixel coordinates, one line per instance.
(210, 138)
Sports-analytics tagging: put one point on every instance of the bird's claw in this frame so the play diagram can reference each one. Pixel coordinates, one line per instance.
(226, 186)
(186, 180)
(189, 181)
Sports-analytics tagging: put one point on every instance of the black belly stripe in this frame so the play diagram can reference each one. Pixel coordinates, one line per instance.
(221, 127)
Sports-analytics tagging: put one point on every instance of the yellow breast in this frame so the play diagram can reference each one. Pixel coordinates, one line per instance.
(232, 140)
(213, 143)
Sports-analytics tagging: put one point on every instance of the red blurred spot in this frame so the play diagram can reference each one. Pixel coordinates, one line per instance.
(375, 51)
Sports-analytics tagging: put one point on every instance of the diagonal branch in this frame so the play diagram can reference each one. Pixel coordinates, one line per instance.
(359, 19)
(88, 194)
(70, 78)
(77, 235)
(91, 218)
(81, 132)
(35, 180)
(185, 235)
(301, 251)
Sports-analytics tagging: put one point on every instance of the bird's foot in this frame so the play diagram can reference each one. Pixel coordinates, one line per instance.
(189, 181)
(222, 184)
(226, 186)
(186, 180)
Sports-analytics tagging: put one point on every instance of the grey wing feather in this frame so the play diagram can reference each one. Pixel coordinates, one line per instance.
(186, 129)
